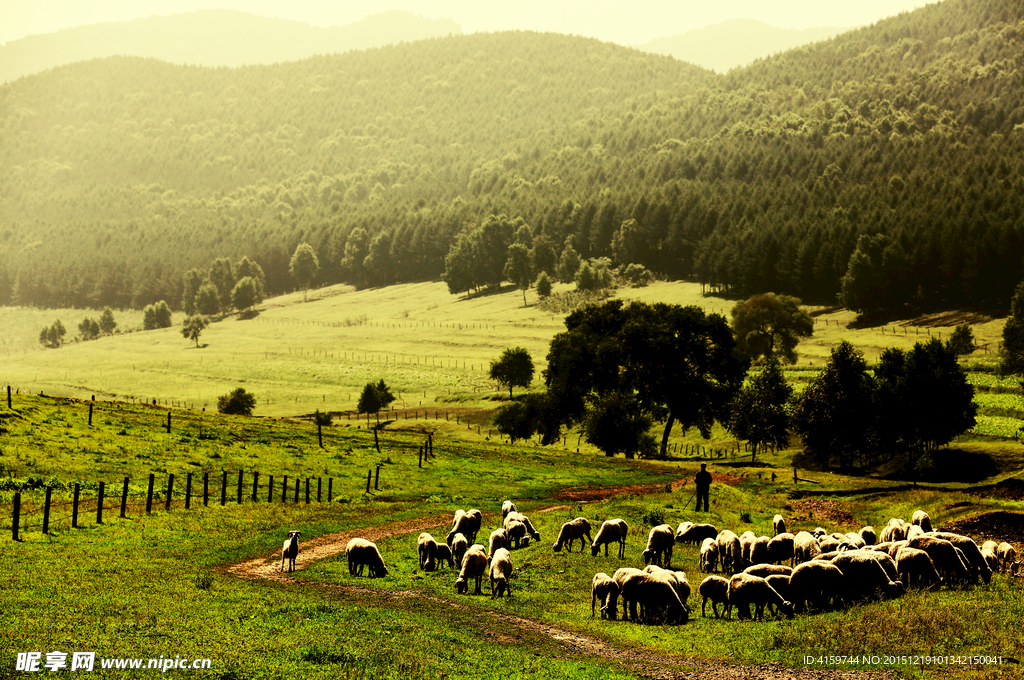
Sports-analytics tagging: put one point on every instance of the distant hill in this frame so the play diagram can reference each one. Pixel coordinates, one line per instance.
(220, 37)
(735, 43)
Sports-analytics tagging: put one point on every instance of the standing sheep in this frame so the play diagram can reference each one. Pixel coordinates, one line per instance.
(766, 570)
(474, 564)
(679, 583)
(778, 525)
(459, 545)
(746, 590)
(709, 555)
(659, 545)
(730, 552)
(920, 518)
(780, 548)
(573, 530)
(501, 572)
(507, 507)
(605, 590)
(622, 577)
(976, 563)
(611, 531)
(444, 555)
(868, 535)
(362, 553)
(951, 567)
(816, 582)
(426, 546)
(498, 539)
(519, 517)
(696, 533)
(746, 541)
(655, 593)
(716, 589)
(916, 569)
(759, 550)
(289, 550)
(865, 578)
(805, 547)
(515, 532)
(1007, 557)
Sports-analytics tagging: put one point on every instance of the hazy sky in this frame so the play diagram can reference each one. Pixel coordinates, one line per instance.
(629, 23)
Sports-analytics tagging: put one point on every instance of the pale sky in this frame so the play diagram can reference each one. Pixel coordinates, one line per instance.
(628, 23)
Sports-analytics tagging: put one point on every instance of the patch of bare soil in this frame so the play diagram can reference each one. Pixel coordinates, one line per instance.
(822, 511)
(951, 318)
(1009, 489)
(645, 663)
(991, 526)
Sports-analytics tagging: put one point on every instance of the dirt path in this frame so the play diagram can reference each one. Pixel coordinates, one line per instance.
(648, 664)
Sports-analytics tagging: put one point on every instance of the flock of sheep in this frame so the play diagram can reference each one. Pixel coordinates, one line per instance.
(786, 573)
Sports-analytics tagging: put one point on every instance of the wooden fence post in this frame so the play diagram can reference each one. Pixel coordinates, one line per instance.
(369, 478)
(9, 396)
(170, 491)
(307, 490)
(224, 489)
(90, 414)
(206, 488)
(46, 510)
(99, 506)
(168, 422)
(74, 509)
(16, 517)
(421, 457)
(239, 487)
(124, 497)
(330, 488)
(255, 484)
(376, 479)
(320, 434)
(188, 491)
(270, 489)
(149, 494)
(319, 482)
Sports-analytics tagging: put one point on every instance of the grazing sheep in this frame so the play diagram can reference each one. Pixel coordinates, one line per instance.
(444, 555)
(920, 518)
(507, 507)
(895, 530)
(916, 569)
(573, 530)
(520, 517)
(605, 590)
(780, 548)
(498, 539)
(765, 570)
(716, 589)
(611, 531)
(501, 572)
(746, 590)
(465, 523)
(990, 545)
(659, 545)
(362, 553)
(730, 552)
(828, 544)
(780, 584)
(746, 541)
(683, 526)
(914, 530)
(681, 585)
(868, 535)
(622, 577)
(709, 555)
(819, 533)
(976, 563)
(817, 582)
(759, 550)
(696, 533)
(855, 540)
(805, 547)
(865, 577)
(460, 544)
(778, 525)
(427, 548)
(951, 567)
(990, 557)
(1007, 557)
(894, 548)
(474, 564)
(654, 592)
(289, 550)
(885, 561)
(515, 532)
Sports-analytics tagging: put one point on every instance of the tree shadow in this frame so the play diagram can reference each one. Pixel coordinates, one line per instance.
(248, 314)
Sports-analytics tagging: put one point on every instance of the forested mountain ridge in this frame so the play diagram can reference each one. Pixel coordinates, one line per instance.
(904, 137)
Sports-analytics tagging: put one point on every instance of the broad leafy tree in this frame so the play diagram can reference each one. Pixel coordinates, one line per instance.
(247, 267)
(303, 267)
(107, 322)
(521, 418)
(194, 326)
(961, 341)
(89, 329)
(193, 281)
(222, 275)
(374, 397)
(770, 326)
(760, 411)
(245, 293)
(53, 335)
(207, 300)
(156, 316)
(568, 262)
(617, 423)
(514, 368)
(543, 284)
(518, 269)
(237, 402)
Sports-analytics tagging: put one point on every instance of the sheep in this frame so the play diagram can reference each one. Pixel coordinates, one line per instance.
(605, 590)
(1007, 557)
(574, 529)
(515, 532)
(474, 564)
(894, 548)
(716, 589)
(622, 577)
(976, 563)
(990, 556)
(679, 583)
(730, 552)
(828, 544)
(459, 546)
(780, 548)
(855, 540)
(465, 523)
(659, 545)
(427, 548)
(916, 568)
(778, 525)
(655, 593)
(780, 584)
(865, 577)
(868, 535)
(951, 567)
(683, 527)
(612, 530)
(498, 539)
(759, 550)
(289, 550)
(519, 517)
(819, 533)
(501, 572)
(805, 547)
(709, 555)
(920, 518)
(362, 553)
(765, 570)
(914, 530)
(696, 533)
(444, 555)
(895, 530)
(746, 541)
(746, 590)
(818, 582)
(885, 561)
(507, 507)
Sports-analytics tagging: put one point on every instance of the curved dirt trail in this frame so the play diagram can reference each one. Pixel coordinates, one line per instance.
(645, 663)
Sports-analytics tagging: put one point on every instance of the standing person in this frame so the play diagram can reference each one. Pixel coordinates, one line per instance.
(703, 482)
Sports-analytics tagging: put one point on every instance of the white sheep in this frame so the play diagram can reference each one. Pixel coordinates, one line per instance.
(914, 530)
(746, 541)
(474, 564)
(573, 530)
(778, 525)
(828, 544)
(1007, 557)
(498, 539)
(520, 517)
(709, 555)
(501, 572)
(817, 582)
(746, 590)
(920, 518)
(805, 547)
(362, 553)
(466, 523)
(444, 555)
(655, 593)
(990, 556)
(865, 577)
(611, 531)
(622, 576)
(916, 569)
(819, 533)
(289, 550)
(780, 584)
(780, 548)
(659, 545)
(515, 533)
(507, 507)
(682, 528)
(715, 589)
(759, 550)
(605, 590)
(947, 558)
(680, 584)
(855, 540)
(730, 552)
(426, 546)
(459, 546)
(976, 563)
(868, 535)
(696, 533)
(765, 570)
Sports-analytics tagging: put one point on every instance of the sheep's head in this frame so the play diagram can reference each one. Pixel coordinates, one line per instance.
(461, 585)
(594, 549)
(786, 608)
(500, 586)
(557, 546)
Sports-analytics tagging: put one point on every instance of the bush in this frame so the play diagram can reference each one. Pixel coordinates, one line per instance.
(238, 402)
(543, 285)
(652, 517)
(156, 316)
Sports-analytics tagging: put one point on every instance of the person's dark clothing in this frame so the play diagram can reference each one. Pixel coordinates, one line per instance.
(703, 482)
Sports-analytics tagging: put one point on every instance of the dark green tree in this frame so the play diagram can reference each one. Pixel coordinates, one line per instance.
(513, 369)
(759, 412)
(961, 341)
(193, 327)
(237, 402)
(53, 335)
(247, 267)
(618, 423)
(89, 329)
(543, 284)
(770, 326)
(518, 269)
(245, 293)
(1012, 358)
(568, 263)
(222, 275)
(193, 281)
(303, 267)
(156, 316)
(207, 300)
(374, 397)
(357, 248)
(521, 418)
(107, 322)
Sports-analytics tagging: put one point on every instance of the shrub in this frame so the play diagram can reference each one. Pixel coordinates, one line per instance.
(238, 402)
